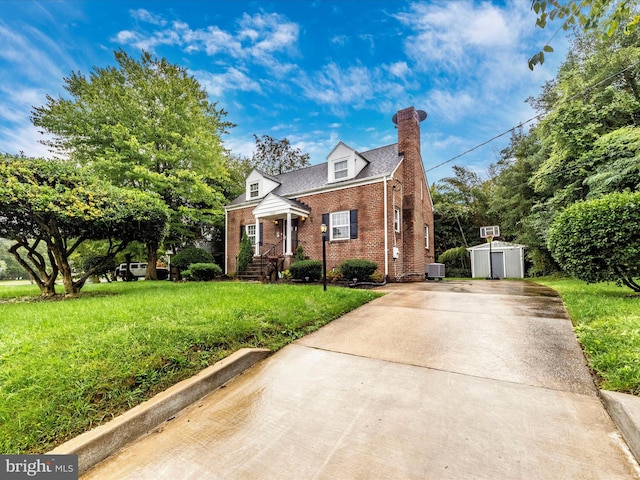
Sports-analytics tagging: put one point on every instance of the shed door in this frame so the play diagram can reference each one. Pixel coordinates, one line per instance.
(497, 258)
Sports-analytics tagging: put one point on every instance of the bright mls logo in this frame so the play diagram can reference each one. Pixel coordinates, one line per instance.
(51, 467)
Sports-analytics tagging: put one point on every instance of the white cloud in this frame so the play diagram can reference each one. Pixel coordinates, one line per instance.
(398, 69)
(144, 15)
(232, 79)
(452, 35)
(260, 38)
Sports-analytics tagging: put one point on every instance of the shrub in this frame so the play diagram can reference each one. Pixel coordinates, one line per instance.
(357, 268)
(457, 262)
(246, 253)
(202, 272)
(189, 255)
(299, 253)
(303, 269)
(597, 240)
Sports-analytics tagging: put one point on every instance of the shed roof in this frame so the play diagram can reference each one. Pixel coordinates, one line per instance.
(496, 245)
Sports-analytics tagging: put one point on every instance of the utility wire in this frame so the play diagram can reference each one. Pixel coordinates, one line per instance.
(521, 124)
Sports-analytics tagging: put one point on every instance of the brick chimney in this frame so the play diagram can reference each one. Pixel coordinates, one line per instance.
(414, 214)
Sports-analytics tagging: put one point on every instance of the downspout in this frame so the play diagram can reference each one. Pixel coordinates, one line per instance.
(386, 231)
(226, 243)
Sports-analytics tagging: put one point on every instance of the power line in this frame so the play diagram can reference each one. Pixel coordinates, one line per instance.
(521, 124)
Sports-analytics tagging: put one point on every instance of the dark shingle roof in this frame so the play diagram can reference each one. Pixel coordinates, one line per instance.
(382, 161)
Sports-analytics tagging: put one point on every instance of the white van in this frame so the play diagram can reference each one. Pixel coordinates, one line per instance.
(138, 270)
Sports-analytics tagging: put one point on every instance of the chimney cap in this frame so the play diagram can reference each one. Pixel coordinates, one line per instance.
(422, 115)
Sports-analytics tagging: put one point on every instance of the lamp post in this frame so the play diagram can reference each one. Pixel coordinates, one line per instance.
(323, 229)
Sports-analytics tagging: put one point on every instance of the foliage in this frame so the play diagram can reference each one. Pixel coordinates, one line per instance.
(11, 269)
(60, 206)
(457, 262)
(68, 366)
(461, 205)
(606, 320)
(277, 156)
(146, 124)
(306, 269)
(187, 256)
(98, 264)
(299, 253)
(202, 272)
(597, 240)
(357, 268)
(606, 15)
(245, 256)
(619, 154)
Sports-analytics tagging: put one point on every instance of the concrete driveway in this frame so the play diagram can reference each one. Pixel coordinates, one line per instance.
(448, 380)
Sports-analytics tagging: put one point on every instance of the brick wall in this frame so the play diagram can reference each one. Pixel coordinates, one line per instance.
(411, 196)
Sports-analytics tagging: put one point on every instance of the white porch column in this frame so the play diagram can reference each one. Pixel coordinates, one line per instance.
(256, 247)
(288, 242)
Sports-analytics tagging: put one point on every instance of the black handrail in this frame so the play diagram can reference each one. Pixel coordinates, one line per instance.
(274, 250)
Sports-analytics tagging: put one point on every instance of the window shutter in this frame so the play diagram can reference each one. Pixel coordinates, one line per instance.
(325, 220)
(261, 233)
(353, 224)
(241, 231)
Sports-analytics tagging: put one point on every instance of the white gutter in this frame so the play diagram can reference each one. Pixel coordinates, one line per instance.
(386, 231)
(226, 235)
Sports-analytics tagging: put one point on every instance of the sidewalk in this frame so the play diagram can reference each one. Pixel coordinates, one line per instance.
(449, 380)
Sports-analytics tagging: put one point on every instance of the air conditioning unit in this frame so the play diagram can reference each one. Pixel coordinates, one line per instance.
(434, 271)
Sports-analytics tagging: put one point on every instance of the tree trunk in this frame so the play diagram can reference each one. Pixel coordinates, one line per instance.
(152, 260)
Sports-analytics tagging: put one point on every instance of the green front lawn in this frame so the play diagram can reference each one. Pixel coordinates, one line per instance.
(607, 323)
(68, 365)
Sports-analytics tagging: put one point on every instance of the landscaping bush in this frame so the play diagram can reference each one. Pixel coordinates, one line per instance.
(189, 255)
(357, 268)
(202, 272)
(299, 253)
(246, 253)
(303, 269)
(597, 240)
(457, 262)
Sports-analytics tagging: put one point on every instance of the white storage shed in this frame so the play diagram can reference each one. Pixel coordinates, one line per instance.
(507, 259)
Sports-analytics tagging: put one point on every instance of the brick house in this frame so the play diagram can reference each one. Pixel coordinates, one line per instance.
(376, 205)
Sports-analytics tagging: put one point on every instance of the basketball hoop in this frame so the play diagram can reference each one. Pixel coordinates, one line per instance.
(490, 233)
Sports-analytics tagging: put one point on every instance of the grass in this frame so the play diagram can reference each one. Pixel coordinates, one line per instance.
(607, 322)
(69, 365)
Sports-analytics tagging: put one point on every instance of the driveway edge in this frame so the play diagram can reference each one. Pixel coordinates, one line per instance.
(95, 445)
(624, 409)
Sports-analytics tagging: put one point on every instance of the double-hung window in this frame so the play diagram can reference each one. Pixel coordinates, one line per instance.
(340, 169)
(254, 190)
(426, 237)
(340, 226)
(251, 232)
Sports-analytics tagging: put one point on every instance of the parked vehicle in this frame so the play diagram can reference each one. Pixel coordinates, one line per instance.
(138, 270)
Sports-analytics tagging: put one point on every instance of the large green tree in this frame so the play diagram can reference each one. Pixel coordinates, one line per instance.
(461, 206)
(146, 124)
(48, 208)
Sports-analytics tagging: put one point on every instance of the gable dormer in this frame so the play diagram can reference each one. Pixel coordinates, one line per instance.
(259, 184)
(344, 163)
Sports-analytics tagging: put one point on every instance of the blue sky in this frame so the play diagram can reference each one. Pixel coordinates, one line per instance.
(315, 72)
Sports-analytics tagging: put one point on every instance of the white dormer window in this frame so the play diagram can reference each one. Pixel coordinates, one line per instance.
(254, 190)
(341, 169)
(344, 163)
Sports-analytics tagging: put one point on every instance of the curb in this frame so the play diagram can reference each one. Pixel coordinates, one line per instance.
(624, 409)
(95, 445)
